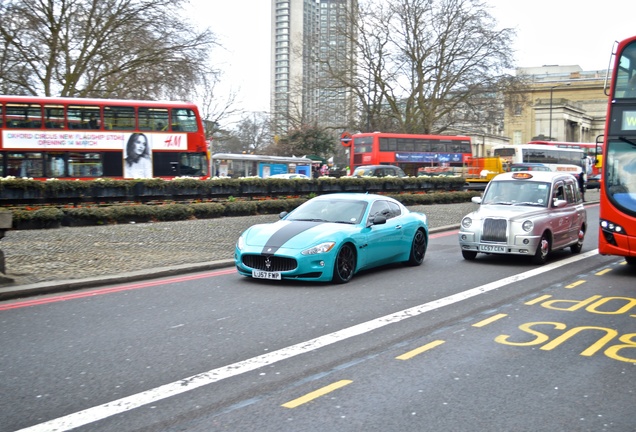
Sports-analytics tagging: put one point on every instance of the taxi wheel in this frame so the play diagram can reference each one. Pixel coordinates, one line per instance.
(469, 255)
(576, 247)
(543, 250)
(345, 264)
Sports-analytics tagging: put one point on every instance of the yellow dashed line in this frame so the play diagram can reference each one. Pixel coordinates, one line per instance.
(489, 320)
(575, 284)
(420, 350)
(316, 394)
(602, 272)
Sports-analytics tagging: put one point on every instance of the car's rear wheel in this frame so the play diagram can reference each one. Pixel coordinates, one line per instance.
(543, 250)
(418, 248)
(469, 255)
(345, 264)
(576, 247)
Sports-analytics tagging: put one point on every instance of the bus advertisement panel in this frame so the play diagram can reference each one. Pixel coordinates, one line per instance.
(557, 159)
(617, 234)
(70, 138)
(413, 153)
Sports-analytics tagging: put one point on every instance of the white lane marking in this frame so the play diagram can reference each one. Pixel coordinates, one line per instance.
(100, 412)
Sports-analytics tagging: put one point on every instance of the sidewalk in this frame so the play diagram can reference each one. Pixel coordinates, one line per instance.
(54, 260)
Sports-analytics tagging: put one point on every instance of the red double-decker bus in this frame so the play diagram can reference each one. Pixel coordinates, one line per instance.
(72, 138)
(412, 153)
(617, 234)
(593, 152)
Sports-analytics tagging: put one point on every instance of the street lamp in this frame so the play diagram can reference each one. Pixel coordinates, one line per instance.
(552, 90)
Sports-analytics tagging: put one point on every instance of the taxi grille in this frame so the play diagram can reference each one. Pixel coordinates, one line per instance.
(495, 230)
(269, 263)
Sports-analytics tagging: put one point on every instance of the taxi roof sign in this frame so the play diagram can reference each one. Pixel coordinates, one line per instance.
(522, 175)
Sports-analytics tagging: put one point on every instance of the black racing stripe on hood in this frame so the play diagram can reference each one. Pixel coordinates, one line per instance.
(287, 232)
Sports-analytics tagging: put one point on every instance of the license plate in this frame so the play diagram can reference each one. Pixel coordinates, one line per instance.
(492, 248)
(261, 274)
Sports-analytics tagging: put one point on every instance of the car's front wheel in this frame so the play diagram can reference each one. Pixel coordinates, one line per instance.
(469, 255)
(418, 248)
(345, 264)
(543, 250)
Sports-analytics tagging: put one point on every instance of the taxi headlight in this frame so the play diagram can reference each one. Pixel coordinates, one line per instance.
(527, 225)
(467, 222)
(321, 248)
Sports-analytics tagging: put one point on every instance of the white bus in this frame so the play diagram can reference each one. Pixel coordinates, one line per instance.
(555, 158)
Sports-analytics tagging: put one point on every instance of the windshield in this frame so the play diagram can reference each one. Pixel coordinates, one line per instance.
(323, 210)
(516, 192)
(620, 172)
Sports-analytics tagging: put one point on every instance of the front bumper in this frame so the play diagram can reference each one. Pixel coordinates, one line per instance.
(517, 245)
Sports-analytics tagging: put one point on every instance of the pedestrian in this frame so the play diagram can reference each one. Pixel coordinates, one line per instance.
(581, 180)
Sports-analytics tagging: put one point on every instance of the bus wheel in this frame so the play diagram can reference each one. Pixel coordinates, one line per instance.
(543, 249)
(631, 261)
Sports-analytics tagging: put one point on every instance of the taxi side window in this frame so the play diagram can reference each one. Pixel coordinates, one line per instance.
(559, 193)
(569, 193)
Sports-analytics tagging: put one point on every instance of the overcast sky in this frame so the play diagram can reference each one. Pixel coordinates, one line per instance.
(549, 32)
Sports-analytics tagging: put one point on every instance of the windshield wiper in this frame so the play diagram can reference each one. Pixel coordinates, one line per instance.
(308, 220)
(628, 141)
(527, 203)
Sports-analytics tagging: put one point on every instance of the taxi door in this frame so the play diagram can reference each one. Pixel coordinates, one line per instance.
(563, 217)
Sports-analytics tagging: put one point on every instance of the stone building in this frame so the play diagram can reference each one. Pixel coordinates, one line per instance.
(562, 103)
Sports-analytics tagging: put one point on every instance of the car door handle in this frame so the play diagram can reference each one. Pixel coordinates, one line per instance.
(398, 227)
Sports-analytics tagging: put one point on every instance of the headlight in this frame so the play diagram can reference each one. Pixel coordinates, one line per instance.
(240, 243)
(321, 248)
(467, 222)
(527, 225)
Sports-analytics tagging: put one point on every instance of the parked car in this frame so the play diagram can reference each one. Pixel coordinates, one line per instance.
(593, 182)
(525, 213)
(332, 237)
(378, 171)
(290, 176)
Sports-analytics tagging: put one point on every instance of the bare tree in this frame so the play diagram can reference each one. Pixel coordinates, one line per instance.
(101, 48)
(426, 66)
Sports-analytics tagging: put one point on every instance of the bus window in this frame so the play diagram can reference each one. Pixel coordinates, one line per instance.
(25, 165)
(153, 119)
(193, 164)
(55, 164)
(119, 117)
(27, 116)
(85, 165)
(54, 116)
(83, 117)
(184, 120)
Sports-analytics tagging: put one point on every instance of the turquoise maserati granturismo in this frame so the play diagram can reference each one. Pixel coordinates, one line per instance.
(332, 237)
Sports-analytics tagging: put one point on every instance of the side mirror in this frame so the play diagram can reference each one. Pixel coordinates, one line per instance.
(476, 199)
(378, 220)
(282, 214)
(559, 203)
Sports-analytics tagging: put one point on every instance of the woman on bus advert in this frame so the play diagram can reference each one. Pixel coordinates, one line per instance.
(137, 160)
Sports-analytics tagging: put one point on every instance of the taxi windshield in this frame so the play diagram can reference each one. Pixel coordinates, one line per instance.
(515, 192)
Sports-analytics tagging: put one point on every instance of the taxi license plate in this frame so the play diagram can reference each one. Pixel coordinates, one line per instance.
(492, 248)
(260, 274)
